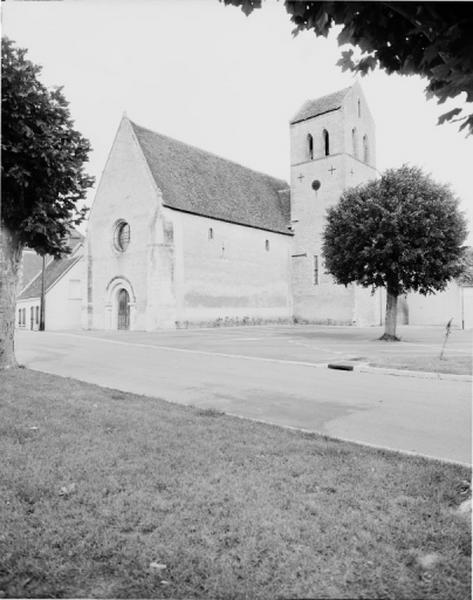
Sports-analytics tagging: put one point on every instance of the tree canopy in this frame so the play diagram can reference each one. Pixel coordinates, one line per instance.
(430, 39)
(403, 232)
(43, 157)
(43, 178)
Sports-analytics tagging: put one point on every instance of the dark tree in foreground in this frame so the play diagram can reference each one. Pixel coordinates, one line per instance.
(403, 232)
(430, 39)
(43, 178)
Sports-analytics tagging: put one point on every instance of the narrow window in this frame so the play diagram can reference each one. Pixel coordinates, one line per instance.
(326, 142)
(31, 317)
(211, 233)
(24, 317)
(316, 270)
(37, 315)
(310, 146)
(354, 142)
(19, 317)
(266, 245)
(359, 108)
(366, 152)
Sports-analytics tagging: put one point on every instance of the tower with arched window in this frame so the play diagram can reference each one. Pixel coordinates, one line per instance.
(342, 154)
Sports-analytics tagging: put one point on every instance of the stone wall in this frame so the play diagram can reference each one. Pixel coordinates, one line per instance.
(228, 274)
(318, 299)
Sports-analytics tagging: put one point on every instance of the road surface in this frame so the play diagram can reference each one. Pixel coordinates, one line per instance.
(257, 373)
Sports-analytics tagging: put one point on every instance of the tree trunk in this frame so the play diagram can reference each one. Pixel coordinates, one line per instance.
(391, 318)
(10, 258)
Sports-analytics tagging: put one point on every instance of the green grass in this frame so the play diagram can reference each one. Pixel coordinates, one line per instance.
(234, 509)
(457, 365)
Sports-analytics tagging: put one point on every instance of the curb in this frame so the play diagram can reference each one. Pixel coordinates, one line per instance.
(366, 368)
(399, 452)
(419, 374)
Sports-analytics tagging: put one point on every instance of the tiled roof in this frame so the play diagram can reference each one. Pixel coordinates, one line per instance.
(312, 108)
(202, 183)
(32, 262)
(31, 266)
(54, 270)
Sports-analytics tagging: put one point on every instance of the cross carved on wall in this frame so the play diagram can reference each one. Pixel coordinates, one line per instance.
(301, 177)
(332, 169)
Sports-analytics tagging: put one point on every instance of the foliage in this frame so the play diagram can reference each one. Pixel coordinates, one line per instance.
(466, 277)
(430, 39)
(403, 232)
(43, 156)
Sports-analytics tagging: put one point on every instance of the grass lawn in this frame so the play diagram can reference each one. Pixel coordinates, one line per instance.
(97, 484)
(458, 365)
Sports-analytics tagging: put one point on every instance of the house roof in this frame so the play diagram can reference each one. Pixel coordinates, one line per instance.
(32, 261)
(198, 182)
(54, 271)
(31, 266)
(325, 104)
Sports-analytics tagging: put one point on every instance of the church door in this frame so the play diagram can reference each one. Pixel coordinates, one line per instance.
(123, 309)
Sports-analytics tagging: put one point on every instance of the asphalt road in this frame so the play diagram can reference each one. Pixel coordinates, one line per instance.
(260, 373)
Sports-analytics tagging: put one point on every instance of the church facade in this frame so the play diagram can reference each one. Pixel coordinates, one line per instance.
(179, 237)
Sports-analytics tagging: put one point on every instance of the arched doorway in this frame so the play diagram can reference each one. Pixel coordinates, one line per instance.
(123, 309)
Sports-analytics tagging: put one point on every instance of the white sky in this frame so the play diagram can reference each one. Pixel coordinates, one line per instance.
(209, 76)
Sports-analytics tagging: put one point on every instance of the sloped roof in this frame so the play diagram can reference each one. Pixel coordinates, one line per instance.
(31, 267)
(32, 261)
(196, 181)
(75, 238)
(54, 271)
(325, 104)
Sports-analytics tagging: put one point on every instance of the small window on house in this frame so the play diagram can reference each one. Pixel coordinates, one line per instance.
(266, 245)
(19, 317)
(359, 108)
(37, 315)
(211, 233)
(326, 141)
(310, 146)
(316, 270)
(366, 152)
(354, 142)
(24, 317)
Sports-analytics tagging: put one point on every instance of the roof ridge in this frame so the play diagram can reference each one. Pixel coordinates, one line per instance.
(209, 153)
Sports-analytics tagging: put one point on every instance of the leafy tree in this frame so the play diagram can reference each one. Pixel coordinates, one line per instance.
(430, 39)
(466, 277)
(43, 177)
(403, 232)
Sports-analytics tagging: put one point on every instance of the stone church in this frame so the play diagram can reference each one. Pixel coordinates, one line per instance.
(179, 237)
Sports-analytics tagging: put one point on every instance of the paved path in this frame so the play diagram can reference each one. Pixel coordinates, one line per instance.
(431, 417)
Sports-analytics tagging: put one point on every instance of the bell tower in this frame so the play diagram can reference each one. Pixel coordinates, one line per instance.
(332, 148)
